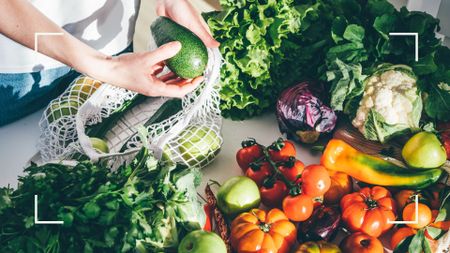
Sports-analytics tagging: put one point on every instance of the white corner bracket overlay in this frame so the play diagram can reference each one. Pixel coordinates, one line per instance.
(36, 38)
(416, 199)
(36, 219)
(416, 220)
(416, 40)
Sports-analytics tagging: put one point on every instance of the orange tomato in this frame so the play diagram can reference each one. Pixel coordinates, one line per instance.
(341, 184)
(315, 180)
(298, 208)
(409, 214)
(361, 243)
(404, 197)
(400, 235)
(368, 210)
(257, 231)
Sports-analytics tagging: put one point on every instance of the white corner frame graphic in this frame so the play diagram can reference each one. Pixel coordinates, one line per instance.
(36, 38)
(416, 199)
(37, 221)
(416, 221)
(416, 40)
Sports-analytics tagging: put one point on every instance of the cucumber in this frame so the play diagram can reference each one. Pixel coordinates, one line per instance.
(191, 60)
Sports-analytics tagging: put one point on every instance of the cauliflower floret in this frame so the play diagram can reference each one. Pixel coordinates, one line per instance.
(392, 94)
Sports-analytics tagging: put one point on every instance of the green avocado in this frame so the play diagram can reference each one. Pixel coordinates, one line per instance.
(191, 60)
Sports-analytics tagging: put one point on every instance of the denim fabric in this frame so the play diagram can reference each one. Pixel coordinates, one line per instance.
(25, 93)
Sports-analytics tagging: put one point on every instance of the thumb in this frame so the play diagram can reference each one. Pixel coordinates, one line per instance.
(165, 52)
(203, 32)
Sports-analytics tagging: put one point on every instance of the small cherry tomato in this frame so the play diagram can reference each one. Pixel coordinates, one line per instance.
(315, 180)
(281, 150)
(250, 152)
(409, 214)
(292, 169)
(272, 195)
(400, 235)
(298, 208)
(259, 172)
(361, 243)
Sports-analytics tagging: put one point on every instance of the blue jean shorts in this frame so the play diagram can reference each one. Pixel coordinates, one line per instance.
(25, 93)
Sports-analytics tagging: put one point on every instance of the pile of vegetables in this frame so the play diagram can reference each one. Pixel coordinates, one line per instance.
(283, 180)
(142, 207)
(311, 205)
(270, 45)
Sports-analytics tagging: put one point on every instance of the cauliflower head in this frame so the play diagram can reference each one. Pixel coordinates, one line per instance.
(391, 103)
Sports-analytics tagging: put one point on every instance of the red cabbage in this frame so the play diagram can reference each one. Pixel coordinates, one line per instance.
(302, 115)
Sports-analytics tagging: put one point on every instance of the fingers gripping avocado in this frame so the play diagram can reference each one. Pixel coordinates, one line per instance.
(191, 60)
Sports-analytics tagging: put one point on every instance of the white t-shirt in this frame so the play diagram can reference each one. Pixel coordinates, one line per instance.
(106, 25)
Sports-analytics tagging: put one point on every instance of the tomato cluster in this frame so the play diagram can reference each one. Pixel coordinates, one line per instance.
(283, 180)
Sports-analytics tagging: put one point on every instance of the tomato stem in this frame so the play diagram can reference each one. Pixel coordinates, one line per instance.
(277, 145)
(248, 142)
(277, 173)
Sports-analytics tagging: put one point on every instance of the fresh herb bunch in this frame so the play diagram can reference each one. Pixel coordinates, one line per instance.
(143, 207)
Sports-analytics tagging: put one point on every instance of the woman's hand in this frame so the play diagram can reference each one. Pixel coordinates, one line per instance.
(182, 12)
(140, 71)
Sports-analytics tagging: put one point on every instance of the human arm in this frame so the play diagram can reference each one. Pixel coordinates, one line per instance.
(135, 71)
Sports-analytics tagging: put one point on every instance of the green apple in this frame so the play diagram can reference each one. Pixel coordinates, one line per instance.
(318, 247)
(237, 195)
(424, 151)
(58, 109)
(202, 242)
(198, 143)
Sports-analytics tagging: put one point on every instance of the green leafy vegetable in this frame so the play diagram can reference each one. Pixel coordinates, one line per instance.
(269, 45)
(143, 206)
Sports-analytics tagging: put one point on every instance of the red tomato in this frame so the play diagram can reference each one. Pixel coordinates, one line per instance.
(273, 196)
(445, 136)
(281, 150)
(361, 243)
(292, 169)
(250, 152)
(315, 180)
(369, 210)
(298, 208)
(259, 172)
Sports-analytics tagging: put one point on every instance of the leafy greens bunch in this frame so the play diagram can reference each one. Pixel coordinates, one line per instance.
(337, 41)
(251, 33)
(142, 207)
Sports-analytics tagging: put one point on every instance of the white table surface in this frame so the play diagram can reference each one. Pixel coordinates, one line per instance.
(19, 139)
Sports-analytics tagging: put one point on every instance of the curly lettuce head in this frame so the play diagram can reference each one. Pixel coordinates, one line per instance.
(391, 103)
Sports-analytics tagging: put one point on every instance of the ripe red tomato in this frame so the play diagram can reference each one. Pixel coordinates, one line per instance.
(369, 210)
(259, 173)
(361, 243)
(250, 152)
(298, 208)
(315, 180)
(292, 169)
(281, 150)
(273, 195)
(445, 136)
